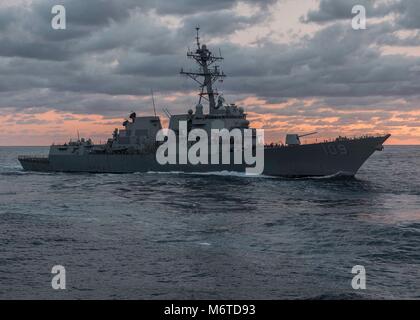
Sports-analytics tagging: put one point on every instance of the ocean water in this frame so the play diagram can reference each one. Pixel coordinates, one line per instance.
(222, 236)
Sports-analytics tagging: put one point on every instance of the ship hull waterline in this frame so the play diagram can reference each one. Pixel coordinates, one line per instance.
(340, 157)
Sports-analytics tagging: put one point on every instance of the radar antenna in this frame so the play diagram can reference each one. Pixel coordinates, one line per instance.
(207, 70)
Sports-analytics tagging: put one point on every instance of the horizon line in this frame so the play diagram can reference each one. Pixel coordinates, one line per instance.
(45, 146)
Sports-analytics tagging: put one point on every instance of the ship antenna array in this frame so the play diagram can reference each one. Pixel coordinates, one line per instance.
(198, 37)
(207, 70)
(167, 113)
(153, 101)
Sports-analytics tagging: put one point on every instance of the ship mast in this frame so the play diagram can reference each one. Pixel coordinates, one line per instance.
(207, 70)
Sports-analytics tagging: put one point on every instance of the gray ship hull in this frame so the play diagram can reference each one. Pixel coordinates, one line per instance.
(340, 157)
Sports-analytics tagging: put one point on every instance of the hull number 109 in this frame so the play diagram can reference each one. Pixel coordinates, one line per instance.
(335, 150)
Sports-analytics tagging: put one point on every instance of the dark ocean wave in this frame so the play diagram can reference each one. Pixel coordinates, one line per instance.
(208, 236)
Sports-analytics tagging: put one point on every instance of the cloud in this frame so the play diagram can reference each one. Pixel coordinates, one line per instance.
(128, 52)
(408, 12)
(332, 10)
(185, 7)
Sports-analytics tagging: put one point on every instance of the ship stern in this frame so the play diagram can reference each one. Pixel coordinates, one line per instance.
(32, 163)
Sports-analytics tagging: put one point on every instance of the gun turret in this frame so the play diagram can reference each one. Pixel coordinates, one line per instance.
(294, 139)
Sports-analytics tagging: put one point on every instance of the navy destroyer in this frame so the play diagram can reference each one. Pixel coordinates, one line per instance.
(134, 148)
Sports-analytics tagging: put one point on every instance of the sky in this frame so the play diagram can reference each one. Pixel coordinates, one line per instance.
(296, 66)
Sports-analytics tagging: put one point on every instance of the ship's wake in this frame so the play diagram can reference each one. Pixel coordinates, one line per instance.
(337, 175)
(215, 173)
